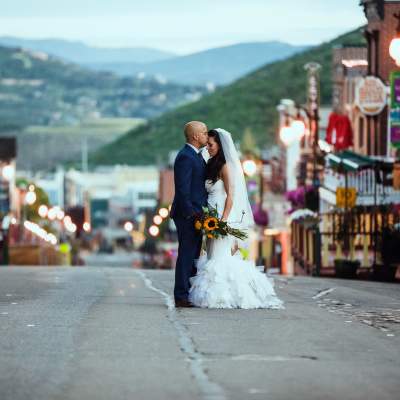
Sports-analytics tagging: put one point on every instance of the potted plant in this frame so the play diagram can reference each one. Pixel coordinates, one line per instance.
(389, 249)
(345, 268)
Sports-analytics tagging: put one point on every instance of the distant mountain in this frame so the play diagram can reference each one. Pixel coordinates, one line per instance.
(249, 104)
(37, 89)
(81, 53)
(220, 65)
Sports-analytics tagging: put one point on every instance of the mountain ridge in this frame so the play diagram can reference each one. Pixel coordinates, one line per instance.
(219, 65)
(79, 52)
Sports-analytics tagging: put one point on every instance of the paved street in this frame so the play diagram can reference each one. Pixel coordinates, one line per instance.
(112, 333)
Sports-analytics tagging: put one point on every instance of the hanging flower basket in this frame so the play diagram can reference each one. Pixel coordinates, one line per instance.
(306, 217)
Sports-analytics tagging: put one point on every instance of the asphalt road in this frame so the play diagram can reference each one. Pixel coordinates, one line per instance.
(112, 333)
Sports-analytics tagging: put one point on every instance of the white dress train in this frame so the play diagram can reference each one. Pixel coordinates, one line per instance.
(224, 280)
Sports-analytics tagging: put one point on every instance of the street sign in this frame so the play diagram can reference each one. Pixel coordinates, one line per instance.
(346, 197)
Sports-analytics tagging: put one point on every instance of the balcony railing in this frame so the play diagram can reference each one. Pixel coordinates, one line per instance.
(369, 190)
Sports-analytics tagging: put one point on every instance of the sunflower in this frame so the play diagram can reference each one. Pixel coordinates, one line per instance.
(210, 236)
(211, 223)
(198, 225)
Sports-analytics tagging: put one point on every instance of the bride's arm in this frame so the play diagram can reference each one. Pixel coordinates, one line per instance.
(229, 193)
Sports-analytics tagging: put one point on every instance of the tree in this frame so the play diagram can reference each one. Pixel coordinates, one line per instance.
(248, 145)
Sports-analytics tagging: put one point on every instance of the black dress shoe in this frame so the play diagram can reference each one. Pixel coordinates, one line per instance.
(183, 303)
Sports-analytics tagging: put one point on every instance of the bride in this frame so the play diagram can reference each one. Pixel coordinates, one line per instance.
(224, 279)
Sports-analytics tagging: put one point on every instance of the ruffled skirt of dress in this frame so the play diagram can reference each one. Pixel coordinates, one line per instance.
(232, 282)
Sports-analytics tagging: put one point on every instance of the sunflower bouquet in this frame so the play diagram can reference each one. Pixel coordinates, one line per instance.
(213, 227)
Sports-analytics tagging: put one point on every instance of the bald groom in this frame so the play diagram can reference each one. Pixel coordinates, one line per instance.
(190, 197)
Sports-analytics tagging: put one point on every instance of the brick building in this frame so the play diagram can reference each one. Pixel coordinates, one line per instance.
(349, 66)
(359, 203)
(379, 32)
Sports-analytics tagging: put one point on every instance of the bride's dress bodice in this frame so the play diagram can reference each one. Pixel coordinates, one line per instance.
(216, 198)
(216, 195)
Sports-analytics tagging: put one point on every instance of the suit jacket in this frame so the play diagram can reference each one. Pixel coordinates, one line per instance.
(189, 177)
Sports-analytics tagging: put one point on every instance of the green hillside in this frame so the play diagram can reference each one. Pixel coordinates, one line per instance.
(37, 89)
(247, 103)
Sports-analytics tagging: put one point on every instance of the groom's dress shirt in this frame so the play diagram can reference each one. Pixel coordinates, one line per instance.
(199, 152)
(194, 148)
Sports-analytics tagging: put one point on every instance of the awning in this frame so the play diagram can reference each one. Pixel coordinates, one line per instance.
(350, 161)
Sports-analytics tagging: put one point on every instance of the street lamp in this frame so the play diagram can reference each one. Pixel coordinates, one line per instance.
(394, 48)
(30, 197)
(249, 167)
(287, 135)
(52, 214)
(313, 69)
(158, 219)
(299, 128)
(128, 226)
(291, 132)
(43, 210)
(154, 230)
(86, 226)
(8, 172)
(163, 212)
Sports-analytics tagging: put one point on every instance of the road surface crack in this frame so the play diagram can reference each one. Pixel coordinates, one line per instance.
(209, 390)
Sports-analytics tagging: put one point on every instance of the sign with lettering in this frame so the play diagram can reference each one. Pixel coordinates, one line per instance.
(394, 116)
(371, 95)
(395, 89)
(346, 197)
(394, 125)
(396, 176)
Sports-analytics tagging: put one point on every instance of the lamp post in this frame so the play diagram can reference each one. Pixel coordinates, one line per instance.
(312, 69)
(292, 129)
(250, 168)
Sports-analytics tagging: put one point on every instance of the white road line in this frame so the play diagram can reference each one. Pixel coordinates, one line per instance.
(209, 389)
(323, 293)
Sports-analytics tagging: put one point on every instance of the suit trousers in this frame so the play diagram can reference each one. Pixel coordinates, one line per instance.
(189, 241)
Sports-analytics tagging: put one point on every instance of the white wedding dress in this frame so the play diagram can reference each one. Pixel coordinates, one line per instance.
(224, 280)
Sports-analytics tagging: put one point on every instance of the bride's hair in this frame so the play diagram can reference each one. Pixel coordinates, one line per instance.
(215, 164)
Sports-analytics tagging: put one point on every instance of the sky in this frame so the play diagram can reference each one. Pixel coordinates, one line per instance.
(180, 26)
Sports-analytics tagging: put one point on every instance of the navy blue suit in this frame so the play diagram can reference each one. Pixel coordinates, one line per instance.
(190, 197)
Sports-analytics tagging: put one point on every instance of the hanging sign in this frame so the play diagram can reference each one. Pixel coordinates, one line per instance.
(396, 176)
(394, 116)
(346, 197)
(394, 125)
(395, 89)
(371, 95)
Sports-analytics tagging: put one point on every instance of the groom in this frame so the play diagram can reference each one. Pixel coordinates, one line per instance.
(190, 196)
